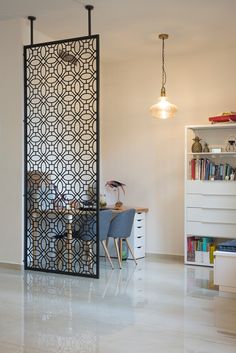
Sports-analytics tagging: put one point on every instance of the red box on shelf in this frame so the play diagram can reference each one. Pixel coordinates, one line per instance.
(222, 118)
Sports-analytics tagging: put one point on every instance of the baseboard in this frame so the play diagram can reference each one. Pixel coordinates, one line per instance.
(178, 258)
(10, 266)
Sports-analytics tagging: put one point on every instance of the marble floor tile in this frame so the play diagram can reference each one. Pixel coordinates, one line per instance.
(157, 306)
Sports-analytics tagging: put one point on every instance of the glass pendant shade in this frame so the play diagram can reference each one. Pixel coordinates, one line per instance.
(163, 109)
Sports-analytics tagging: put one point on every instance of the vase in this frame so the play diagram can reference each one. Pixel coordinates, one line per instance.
(196, 147)
(124, 255)
(206, 148)
(118, 205)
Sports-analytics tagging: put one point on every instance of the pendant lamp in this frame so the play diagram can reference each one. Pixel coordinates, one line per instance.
(163, 109)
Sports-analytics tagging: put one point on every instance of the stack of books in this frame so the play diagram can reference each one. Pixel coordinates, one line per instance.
(204, 169)
(229, 246)
(200, 250)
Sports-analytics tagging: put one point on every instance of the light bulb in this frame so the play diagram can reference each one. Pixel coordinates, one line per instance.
(163, 109)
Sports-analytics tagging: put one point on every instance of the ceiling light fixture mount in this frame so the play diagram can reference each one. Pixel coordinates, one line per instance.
(31, 19)
(89, 8)
(163, 109)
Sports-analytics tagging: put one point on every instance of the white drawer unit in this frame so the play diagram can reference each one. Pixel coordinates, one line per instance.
(211, 201)
(208, 187)
(211, 215)
(210, 194)
(218, 230)
(137, 237)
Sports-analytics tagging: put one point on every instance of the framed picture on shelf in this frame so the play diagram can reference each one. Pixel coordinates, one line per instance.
(216, 150)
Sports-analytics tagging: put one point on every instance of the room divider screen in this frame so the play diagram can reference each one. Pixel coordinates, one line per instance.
(61, 81)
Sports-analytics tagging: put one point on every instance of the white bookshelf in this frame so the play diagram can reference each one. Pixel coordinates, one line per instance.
(210, 205)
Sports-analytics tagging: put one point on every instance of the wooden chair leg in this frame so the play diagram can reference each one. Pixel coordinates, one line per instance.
(107, 242)
(131, 250)
(120, 245)
(107, 253)
(89, 252)
(117, 251)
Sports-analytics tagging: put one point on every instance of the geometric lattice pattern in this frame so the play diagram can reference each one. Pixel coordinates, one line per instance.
(61, 147)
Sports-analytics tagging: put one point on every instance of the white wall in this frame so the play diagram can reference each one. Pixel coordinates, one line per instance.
(11, 103)
(148, 154)
(13, 34)
(144, 153)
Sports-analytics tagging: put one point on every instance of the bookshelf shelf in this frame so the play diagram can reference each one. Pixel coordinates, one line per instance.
(198, 263)
(224, 154)
(210, 193)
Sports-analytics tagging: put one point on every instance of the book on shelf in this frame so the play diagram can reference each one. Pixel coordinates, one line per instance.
(200, 249)
(204, 169)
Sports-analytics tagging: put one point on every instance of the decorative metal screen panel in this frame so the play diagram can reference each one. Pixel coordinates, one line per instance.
(61, 156)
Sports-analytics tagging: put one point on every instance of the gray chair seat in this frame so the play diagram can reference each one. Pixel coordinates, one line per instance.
(120, 228)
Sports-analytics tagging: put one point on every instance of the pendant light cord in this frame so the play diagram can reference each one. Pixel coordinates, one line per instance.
(163, 68)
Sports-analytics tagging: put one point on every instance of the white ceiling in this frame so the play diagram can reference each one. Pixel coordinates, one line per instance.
(130, 28)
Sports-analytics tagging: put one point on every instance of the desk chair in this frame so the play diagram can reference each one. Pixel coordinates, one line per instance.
(84, 229)
(104, 224)
(120, 228)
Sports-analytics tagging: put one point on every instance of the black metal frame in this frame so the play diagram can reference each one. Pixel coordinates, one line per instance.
(32, 261)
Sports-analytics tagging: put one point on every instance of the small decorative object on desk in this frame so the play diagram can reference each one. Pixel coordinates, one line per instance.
(102, 200)
(116, 185)
(196, 147)
(206, 148)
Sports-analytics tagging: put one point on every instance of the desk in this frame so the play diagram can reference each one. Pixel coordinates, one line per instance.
(137, 209)
(65, 251)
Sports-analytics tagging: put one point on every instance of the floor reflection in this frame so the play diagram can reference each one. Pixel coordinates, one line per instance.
(64, 314)
(157, 306)
(210, 315)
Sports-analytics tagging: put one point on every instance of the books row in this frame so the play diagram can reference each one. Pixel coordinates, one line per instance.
(201, 250)
(204, 169)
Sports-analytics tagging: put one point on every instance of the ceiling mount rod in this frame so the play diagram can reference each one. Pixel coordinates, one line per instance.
(31, 19)
(89, 8)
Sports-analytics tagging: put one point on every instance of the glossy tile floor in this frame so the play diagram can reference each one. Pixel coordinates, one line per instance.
(159, 306)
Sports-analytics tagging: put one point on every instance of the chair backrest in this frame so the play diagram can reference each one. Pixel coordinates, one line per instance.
(121, 224)
(85, 225)
(104, 223)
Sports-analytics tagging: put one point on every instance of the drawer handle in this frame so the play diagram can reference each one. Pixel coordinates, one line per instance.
(139, 220)
(139, 247)
(139, 227)
(139, 237)
(205, 222)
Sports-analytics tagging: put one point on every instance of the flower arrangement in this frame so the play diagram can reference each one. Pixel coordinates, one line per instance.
(116, 186)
